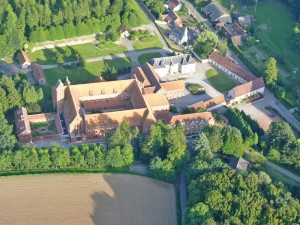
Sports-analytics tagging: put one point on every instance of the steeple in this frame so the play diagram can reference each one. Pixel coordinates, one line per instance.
(58, 84)
(67, 82)
(185, 35)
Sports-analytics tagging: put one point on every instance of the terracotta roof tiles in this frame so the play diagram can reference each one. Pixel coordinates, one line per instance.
(234, 68)
(249, 87)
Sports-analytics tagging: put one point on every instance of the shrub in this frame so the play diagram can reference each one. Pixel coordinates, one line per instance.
(195, 89)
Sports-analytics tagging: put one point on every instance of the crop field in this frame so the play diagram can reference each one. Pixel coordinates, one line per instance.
(102, 199)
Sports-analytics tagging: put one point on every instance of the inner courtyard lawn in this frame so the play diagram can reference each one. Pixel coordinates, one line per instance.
(89, 50)
(219, 81)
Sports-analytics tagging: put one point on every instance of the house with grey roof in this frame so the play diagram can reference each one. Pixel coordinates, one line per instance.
(183, 64)
(239, 164)
(217, 13)
(179, 36)
(245, 20)
(234, 33)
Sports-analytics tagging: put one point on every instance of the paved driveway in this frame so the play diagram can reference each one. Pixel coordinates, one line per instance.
(258, 112)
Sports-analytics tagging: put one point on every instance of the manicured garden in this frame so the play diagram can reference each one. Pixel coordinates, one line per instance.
(42, 128)
(219, 81)
(89, 50)
(152, 42)
(148, 56)
(86, 74)
(195, 89)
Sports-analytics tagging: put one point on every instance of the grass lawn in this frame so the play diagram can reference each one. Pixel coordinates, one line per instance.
(219, 81)
(48, 56)
(148, 56)
(275, 23)
(84, 75)
(140, 45)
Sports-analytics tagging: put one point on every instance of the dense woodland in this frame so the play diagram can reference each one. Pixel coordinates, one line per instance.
(219, 195)
(36, 21)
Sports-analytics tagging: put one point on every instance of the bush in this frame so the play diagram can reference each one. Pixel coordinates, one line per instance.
(147, 38)
(195, 89)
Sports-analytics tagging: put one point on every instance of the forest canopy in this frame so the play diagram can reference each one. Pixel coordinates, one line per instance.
(36, 21)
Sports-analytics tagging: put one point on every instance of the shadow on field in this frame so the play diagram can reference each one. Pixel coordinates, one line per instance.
(124, 199)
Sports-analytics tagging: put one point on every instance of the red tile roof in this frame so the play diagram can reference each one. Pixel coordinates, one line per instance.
(249, 87)
(38, 73)
(22, 121)
(174, 3)
(23, 57)
(206, 116)
(234, 68)
(209, 103)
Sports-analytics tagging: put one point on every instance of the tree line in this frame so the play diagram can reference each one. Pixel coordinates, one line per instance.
(164, 150)
(22, 20)
(219, 195)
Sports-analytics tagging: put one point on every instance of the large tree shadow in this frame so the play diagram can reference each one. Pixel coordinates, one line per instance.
(129, 199)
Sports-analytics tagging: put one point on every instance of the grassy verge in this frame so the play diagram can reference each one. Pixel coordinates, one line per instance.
(154, 43)
(219, 81)
(148, 56)
(48, 56)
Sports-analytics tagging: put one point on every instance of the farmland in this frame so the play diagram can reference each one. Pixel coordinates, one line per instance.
(86, 199)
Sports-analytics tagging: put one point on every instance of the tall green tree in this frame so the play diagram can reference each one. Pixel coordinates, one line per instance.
(271, 71)
(7, 139)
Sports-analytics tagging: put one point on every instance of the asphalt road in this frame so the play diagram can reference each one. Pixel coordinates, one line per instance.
(283, 171)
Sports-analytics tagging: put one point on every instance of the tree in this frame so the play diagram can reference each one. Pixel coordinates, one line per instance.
(68, 52)
(271, 71)
(162, 169)
(114, 158)
(295, 40)
(222, 46)
(215, 138)
(44, 159)
(91, 159)
(280, 135)
(233, 141)
(256, 157)
(202, 147)
(59, 58)
(7, 139)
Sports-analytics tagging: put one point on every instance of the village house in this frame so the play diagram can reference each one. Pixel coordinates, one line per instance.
(24, 59)
(246, 90)
(210, 104)
(217, 13)
(233, 70)
(175, 5)
(38, 74)
(193, 123)
(234, 33)
(183, 64)
(173, 19)
(245, 20)
(250, 84)
(179, 36)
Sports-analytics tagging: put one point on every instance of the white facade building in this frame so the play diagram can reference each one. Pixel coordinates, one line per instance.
(183, 64)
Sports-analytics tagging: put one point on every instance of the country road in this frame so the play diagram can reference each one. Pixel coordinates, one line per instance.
(283, 171)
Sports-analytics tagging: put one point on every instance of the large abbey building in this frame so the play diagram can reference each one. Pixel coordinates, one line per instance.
(89, 111)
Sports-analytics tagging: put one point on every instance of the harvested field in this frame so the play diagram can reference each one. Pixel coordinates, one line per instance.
(102, 199)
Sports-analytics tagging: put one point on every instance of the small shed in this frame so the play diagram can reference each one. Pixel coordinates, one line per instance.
(38, 74)
(24, 59)
(239, 164)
